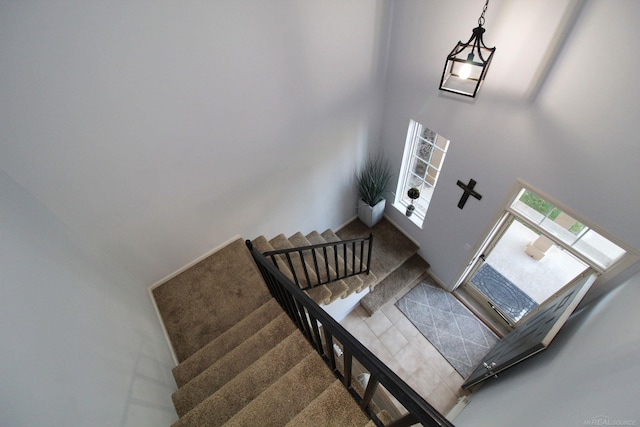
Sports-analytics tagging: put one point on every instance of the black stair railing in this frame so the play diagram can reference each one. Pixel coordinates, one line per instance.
(322, 331)
(316, 265)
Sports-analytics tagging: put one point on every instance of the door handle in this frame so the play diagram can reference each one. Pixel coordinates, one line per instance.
(500, 314)
(489, 368)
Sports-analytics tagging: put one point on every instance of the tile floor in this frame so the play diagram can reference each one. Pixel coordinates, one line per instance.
(394, 339)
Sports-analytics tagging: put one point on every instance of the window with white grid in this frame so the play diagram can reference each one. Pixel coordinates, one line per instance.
(424, 154)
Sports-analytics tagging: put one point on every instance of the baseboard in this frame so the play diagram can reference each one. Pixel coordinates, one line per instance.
(194, 262)
(347, 222)
(171, 276)
(408, 236)
(395, 224)
(164, 329)
(438, 281)
(458, 407)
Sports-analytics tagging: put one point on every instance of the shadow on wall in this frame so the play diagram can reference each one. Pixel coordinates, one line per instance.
(151, 376)
(583, 376)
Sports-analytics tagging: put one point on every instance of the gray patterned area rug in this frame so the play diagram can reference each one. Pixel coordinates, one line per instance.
(454, 330)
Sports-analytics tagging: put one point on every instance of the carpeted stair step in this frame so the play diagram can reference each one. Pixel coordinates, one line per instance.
(334, 407)
(262, 244)
(249, 384)
(259, 369)
(368, 280)
(236, 335)
(231, 364)
(354, 283)
(383, 416)
(391, 247)
(411, 270)
(226, 283)
(320, 294)
(285, 398)
(338, 288)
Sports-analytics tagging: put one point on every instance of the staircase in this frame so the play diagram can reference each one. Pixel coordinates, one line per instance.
(324, 266)
(244, 362)
(269, 377)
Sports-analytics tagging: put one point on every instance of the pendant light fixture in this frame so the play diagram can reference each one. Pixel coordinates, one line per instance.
(467, 64)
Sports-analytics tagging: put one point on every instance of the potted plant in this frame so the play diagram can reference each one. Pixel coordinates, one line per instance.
(372, 182)
(413, 194)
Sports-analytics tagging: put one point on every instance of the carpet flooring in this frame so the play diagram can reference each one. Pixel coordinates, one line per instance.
(390, 247)
(243, 361)
(204, 301)
(504, 294)
(456, 332)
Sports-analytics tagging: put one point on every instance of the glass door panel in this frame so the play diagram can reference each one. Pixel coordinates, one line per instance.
(534, 250)
(566, 230)
(512, 281)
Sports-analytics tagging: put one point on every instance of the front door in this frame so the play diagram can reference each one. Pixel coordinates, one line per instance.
(534, 250)
(534, 335)
(510, 282)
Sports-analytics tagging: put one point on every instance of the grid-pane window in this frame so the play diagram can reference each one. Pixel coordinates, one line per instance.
(424, 155)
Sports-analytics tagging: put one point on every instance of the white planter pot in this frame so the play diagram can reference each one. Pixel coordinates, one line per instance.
(371, 215)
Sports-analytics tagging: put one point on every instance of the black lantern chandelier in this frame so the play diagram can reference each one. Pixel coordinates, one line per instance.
(468, 63)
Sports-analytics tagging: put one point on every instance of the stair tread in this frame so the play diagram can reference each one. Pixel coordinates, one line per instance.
(260, 370)
(281, 242)
(236, 335)
(231, 364)
(391, 247)
(385, 417)
(401, 277)
(338, 288)
(298, 240)
(368, 280)
(246, 386)
(187, 300)
(285, 398)
(354, 283)
(262, 244)
(334, 407)
(320, 294)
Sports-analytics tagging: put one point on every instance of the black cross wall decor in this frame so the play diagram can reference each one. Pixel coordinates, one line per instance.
(468, 191)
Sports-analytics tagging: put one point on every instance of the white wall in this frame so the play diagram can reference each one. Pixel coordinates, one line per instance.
(576, 141)
(158, 130)
(137, 136)
(589, 371)
(81, 344)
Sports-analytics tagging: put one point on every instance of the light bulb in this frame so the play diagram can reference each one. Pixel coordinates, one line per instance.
(465, 71)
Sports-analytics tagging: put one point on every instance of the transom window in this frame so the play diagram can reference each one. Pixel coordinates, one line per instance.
(589, 245)
(424, 154)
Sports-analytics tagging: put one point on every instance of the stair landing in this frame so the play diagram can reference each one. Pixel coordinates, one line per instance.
(240, 364)
(391, 248)
(204, 301)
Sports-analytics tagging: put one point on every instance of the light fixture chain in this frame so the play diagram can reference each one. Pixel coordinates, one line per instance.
(484, 9)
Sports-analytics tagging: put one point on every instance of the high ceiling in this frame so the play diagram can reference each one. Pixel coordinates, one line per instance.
(528, 35)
